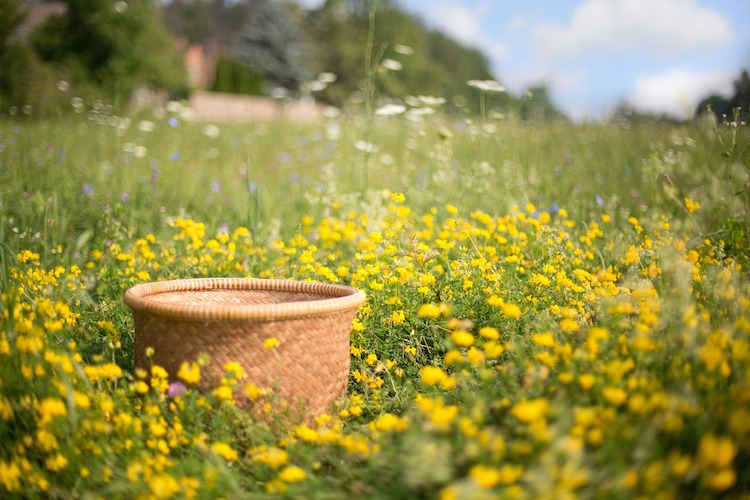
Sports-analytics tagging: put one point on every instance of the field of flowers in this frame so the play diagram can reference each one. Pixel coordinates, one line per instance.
(552, 311)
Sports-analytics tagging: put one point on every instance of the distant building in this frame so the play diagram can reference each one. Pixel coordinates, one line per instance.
(200, 61)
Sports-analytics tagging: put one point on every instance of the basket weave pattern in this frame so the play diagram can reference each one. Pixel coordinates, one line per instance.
(229, 319)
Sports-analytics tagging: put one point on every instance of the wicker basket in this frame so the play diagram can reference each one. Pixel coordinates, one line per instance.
(229, 319)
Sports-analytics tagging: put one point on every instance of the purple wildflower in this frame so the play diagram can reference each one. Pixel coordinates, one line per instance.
(175, 389)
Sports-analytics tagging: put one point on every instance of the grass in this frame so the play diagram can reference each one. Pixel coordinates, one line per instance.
(552, 309)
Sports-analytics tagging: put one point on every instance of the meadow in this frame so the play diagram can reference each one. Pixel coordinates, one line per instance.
(553, 310)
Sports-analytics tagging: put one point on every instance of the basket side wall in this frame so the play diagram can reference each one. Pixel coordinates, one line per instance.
(310, 364)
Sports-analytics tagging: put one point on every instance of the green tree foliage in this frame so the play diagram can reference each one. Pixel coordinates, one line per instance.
(113, 46)
(14, 59)
(26, 83)
(340, 35)
(270, 44)
(288, 45)
(722, 107)
(191, 19)
(11, 17)
(431, 62)
(199, 20)
(537, 106)
(233, 77)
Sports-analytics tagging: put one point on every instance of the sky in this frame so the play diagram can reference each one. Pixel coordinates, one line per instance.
(660, 56)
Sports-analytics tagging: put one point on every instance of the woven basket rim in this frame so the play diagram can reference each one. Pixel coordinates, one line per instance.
(337, 298)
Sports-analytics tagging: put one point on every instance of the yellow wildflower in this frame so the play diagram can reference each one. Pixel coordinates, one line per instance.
(486, 476)
(511, 310)
(275, 486)
(6, 409)
(45, 440)
(475, 356)
(716, 451)
(448, 383)
(722, 479)
(432, 375)
(443, 416)
(586, 381)
(452, 357)
(224, 393)
(692, 205)
(224, 451)
(527, 411)
(159, 372)
(429, 311)
(614, 395)
(398, 317)
(489, 333)
(81, 400)
(235, 369)
(291, 474)
(253, 391)
(56, 462)
(273, 457)
(493, 349)
(305, 433)
(389, 422)
(543, 339)
(190, 373)
(163, 485)
(509, 474)
(10, 476)
(141, 387)
(51, 407)
(569, 325)
(271, 343)
(462, 338)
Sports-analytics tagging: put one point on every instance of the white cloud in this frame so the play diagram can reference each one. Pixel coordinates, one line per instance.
(677, 92)
(463, 23)
(517, 23)
(624, 26)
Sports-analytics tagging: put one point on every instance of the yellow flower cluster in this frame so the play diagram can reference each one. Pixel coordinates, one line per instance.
(533, 348)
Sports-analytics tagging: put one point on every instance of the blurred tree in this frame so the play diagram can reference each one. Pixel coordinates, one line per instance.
(723, 108)
(270, 43)
(191, 19)
(200, 20)
(114, 46)
(14, 58)
(456, 65)
(426, 62)
(233, 77)
(12, 17)
(626, 115)
(339, 31)
(741, 97)
(286, 44)
(719, 106)
(538, 106)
